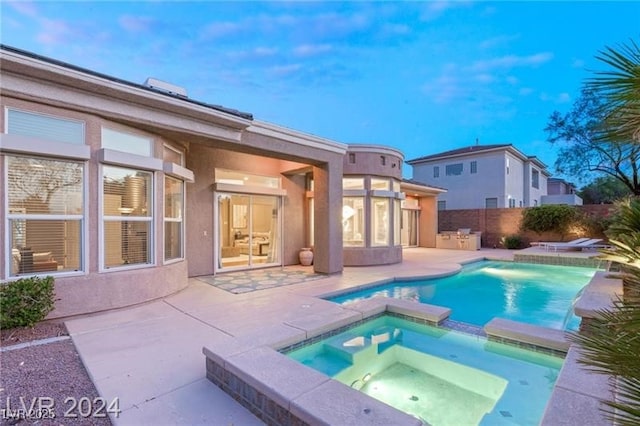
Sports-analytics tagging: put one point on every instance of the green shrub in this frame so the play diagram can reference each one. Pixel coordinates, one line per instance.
(512, 242)
(549, 218)
(26, 301)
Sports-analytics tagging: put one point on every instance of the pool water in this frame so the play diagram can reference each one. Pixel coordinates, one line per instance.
(440, 376)
(537, 294)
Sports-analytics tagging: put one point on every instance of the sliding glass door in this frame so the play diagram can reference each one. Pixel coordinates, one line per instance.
(248, 231)
(409, 228)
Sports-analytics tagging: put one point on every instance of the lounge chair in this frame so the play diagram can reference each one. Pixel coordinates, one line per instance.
(546, 244)
(590, 243)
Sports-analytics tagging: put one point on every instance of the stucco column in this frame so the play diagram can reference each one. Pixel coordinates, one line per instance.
(328, 217)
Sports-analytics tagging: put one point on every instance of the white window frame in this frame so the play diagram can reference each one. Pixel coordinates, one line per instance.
(103, 218)
(374, 220)
(84, 247)
(473, 167)
(180, 220)
(177, 151)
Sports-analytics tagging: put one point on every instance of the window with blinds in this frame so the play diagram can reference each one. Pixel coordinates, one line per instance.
(173, 213)
(45, 127)
(127, 207)
(45, 216)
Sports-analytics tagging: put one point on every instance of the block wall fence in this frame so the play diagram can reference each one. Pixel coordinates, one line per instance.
(498, 223)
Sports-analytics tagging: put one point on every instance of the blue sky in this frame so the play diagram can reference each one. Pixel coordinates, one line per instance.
(423, 77)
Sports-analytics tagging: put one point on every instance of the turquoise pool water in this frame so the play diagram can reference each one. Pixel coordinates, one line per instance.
(536, 294)
(442, 377)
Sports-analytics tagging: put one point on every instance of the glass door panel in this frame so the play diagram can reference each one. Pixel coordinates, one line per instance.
(248, 231)
(409, 230)
(233, 230)
(265, 232)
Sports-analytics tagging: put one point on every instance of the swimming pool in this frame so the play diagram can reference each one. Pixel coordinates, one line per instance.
(443, 377)
(531, 293)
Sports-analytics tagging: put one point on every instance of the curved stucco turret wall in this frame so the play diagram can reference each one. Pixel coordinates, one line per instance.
(374, 162)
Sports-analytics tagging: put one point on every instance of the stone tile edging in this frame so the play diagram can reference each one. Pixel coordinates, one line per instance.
(281, 391)
(527, 333)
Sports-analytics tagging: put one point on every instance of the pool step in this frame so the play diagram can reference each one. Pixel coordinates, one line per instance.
(348, 346)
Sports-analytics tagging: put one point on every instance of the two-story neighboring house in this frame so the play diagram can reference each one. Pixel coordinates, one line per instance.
(484, 176)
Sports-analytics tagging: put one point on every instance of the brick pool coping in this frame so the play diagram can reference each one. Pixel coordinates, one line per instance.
(279, 390)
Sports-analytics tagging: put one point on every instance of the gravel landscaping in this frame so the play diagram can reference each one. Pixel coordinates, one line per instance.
(49, 379)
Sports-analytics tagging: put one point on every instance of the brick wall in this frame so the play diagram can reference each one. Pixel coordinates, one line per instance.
(497, 223)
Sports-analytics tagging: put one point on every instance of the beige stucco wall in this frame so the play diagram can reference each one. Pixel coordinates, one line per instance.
(368, 160)
(428, 226)
(203, 160)
(97, 290)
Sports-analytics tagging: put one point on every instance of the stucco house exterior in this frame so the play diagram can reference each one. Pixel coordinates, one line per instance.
(122, 191)
(559, 191)
(483, 176)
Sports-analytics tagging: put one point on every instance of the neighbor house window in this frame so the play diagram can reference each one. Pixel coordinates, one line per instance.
(45, 215)
(127, 207)
(173, 218)
(436, 171)
(512, 203)
(473, 167)
(45, 127)
(454, 169)
(127, 142)
(491, 203)
(535, 179)
(380, 221)
(353, 221)
(442, 205)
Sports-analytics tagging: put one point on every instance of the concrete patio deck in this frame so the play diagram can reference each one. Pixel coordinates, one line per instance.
(150, 356)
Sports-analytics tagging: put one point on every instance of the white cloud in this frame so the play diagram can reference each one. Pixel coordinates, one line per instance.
(220, 29)
(307, 50)
(498, 41)
(484, 78)
(525, 91)
(135, 24)
(53, 32)
(25, 8)
(396, 29)
(512, 80)
(284, 70)
(578, 63)
(511, 61)
(561, 98)
(435, 9)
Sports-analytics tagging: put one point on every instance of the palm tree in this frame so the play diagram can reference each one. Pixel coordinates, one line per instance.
(610, 344)
(620, 88)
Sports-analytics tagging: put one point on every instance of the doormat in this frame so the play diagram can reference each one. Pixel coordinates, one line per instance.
(248, 281)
